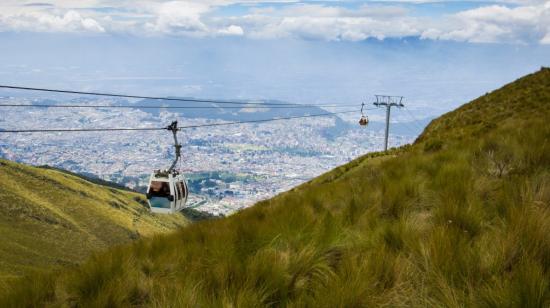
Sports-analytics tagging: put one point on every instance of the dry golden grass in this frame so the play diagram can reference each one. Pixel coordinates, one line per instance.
(49, 218)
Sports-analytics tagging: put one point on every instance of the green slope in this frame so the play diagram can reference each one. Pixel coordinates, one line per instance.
(460, 218)
(51, 218)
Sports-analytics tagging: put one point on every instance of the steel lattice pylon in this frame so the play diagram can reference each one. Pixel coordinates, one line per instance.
(388, 101)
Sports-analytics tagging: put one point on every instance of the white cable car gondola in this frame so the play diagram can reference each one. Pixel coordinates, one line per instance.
(167, 190)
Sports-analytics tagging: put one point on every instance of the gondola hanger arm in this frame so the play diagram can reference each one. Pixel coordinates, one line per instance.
(174, 129)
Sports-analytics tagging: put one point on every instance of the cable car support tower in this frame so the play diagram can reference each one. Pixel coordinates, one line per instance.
(388, 101)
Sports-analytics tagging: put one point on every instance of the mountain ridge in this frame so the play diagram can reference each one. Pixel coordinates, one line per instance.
(50, 218)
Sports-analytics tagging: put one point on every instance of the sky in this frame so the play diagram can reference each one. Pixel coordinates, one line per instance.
(519, 21)
(438, 54)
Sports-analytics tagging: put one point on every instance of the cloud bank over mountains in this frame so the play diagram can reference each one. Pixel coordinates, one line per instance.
(516, 22)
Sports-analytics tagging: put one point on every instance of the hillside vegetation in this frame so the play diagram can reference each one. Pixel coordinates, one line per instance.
(460, 218)
(50, 218)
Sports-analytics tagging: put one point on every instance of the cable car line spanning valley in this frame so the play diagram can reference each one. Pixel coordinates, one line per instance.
(189, 100)
(415, 120)
(63, 130)
(168, 107)
(167, 191)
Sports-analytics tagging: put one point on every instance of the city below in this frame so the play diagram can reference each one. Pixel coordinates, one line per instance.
(227, 167)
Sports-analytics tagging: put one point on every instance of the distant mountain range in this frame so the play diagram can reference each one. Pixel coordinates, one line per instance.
(210, 110)
(216, 111)
(251, 113)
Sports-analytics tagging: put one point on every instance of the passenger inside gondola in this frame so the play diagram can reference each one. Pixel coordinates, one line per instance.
(159, 189)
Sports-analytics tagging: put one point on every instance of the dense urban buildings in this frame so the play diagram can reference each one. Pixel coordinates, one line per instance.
(228, 167)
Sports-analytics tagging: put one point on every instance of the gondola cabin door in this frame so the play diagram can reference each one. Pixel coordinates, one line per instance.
(161, 194)
(180, 187)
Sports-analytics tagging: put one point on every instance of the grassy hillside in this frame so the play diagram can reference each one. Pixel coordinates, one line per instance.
(50, 218)
(460, 218)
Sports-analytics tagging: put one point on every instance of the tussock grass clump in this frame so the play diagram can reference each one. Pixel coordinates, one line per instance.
(459, 219)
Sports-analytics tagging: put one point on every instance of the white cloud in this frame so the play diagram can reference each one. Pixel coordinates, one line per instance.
(319, 10)
(519, 21)
(496, 23)
(314, 21)
(334, 28)
(71, 21)
(232, 30)
(180, 17)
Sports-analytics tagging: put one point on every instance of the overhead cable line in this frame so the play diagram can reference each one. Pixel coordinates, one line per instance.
(163, 128)
(410, 128)
(189, 100)
(415, 121)
(167, 107)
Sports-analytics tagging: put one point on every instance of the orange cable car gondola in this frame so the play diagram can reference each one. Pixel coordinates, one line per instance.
(364, 121)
